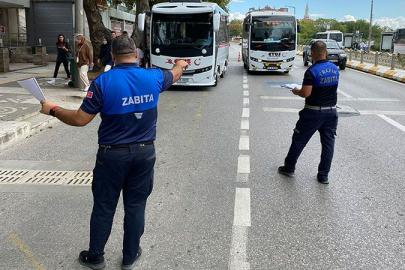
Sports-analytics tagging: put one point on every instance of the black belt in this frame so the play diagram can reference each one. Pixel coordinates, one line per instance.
(125, 146)
(317, 108)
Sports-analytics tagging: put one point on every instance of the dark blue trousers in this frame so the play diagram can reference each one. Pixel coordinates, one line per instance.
(310, 121)
(130, 170)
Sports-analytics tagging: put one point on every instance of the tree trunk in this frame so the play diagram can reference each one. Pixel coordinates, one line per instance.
(96, 27)
(137, 35)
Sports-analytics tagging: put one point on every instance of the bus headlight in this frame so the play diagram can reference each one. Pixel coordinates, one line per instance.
(255, 59)
(201, 70)
(289, 59)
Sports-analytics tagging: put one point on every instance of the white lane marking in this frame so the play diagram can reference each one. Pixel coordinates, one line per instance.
(242, 207)
(392, 122)
(244, 142)
(289, 110)
(245, 86)
(246, 102)
(246, 112)
(280, 97)
(382, 112)
(244, 164)
(244, 125)
(236, 49)
(340, 99)
(245, 80)
(242, 177)
(378, 99)
(344, 94)
(238, 249)
(246, 93)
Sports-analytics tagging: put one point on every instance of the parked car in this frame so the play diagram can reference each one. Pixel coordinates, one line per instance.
(335, 55)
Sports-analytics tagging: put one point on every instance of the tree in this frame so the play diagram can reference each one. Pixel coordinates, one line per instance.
(96, 26)
(235, 28)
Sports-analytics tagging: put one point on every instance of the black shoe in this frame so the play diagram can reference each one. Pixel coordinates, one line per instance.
(130, 266)
(283, 170)
(323, 180)
(91, 262)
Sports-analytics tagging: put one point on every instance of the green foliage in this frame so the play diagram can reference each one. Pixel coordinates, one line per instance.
(235, 28)
(310, 28)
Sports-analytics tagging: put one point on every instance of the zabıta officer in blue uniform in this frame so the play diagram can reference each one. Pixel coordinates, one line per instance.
(126, 98)
(319, 89)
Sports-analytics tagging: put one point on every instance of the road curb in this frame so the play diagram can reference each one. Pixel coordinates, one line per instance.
(15, 131)
(382, 71)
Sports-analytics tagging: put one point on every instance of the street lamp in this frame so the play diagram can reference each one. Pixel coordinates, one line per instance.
(291, 7)
(371, 27)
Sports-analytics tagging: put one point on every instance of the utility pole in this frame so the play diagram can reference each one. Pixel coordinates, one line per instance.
(78, 30)
(371, 27)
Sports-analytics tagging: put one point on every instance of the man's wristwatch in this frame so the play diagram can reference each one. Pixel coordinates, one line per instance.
(52, 111)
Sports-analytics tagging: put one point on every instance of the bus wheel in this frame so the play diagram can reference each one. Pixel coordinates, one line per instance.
(217, 77)
(223, 72)
(245, 66)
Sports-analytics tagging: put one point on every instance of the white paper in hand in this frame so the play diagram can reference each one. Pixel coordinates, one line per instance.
(32, 86)
(291, 86)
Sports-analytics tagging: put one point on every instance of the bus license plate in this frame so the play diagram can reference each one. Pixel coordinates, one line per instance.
(183, 80)
(333, 61)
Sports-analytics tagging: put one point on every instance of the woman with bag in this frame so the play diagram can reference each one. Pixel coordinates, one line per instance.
(104, 57)
(84, 60)
(63, 49)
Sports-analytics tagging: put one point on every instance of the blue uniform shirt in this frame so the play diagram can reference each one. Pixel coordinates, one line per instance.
(126, 98)
(324, 78)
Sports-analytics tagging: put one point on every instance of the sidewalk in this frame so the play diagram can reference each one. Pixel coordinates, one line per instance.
(19, 111)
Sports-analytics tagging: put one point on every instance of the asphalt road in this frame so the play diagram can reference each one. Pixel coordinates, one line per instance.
(218, 202)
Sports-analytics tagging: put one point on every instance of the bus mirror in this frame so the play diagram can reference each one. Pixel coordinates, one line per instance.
(141, 21)
(247, 27)
(299, 28)
(217, 20)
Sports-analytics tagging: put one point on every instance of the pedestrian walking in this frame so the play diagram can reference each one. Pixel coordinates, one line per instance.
(111, 63)
(319, 88)
(104, 57)
(126, 153)
(63, 49)
(84, 59)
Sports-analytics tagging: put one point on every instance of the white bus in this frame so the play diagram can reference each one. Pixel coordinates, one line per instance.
(269, 40)
(331, 34)
(194, 31)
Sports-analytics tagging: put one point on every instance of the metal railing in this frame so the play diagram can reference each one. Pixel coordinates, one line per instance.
(13, 40)
(378, 58)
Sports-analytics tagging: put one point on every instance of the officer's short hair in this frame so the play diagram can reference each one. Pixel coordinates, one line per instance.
(319, 48)
(123, 45)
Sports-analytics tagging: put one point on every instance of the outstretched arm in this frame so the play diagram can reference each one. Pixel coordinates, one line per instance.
(77, 118)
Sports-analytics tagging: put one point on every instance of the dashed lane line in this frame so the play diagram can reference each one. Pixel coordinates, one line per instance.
(244, 143)
(246, 113)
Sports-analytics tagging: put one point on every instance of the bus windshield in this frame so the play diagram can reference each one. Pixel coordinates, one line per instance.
(182, 35)
(273, 34)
